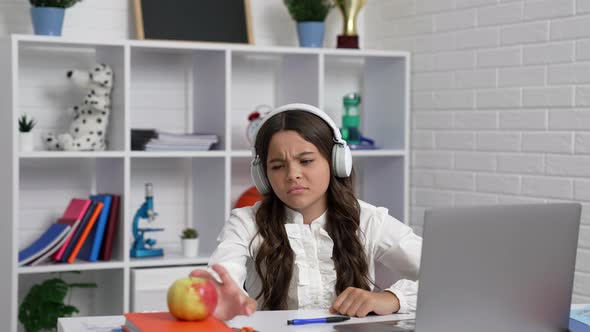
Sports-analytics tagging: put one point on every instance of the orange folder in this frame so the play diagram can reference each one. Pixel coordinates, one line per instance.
(164, 321)
(85, 232)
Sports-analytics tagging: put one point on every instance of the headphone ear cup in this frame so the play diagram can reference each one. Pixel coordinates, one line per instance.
(259, 178)
(341, 160)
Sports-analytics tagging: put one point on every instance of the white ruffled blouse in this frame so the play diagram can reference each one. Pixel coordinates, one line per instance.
(386, 240)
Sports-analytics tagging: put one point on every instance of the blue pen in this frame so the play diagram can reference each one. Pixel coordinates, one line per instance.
(333, 319)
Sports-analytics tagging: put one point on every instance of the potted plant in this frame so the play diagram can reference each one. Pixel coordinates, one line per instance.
(310, 16)
(44, 304)
(190, 242)
(25, 125)
(48, 15)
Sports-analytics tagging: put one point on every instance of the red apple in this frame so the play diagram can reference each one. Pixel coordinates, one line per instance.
(192, 298)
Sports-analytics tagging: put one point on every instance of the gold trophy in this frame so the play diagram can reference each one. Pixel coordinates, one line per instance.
(350, 9)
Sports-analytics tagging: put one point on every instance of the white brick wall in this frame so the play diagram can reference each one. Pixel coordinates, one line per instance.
(498, 183)
(555, 142)
(455, 20)
(583, 50)
(455, 140)
(548, 53)
(523, 120)
(548, 97)
(521, 76)
(548, 9)
(475, 120)
(475, 161)
(467, 79)
(570, 28)
(499, 57)
(498, 98)
(582, 143)
(500, 105)
(502, 14)
(582, 96)
(524, 33)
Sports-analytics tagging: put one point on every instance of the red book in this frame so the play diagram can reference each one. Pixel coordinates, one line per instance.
(164, 321)
(75, 210)
(109, 236)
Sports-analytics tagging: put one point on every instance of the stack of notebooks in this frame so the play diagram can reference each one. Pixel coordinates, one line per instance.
(154, 140)
(86, 231)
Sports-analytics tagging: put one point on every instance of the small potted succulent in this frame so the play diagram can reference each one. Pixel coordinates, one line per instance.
(25, 127)
(48, 15)
(310, 16)
(190, 242)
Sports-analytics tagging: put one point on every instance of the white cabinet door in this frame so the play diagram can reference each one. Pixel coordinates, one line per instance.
(150, 286)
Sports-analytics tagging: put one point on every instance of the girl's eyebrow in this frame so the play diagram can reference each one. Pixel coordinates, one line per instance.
(302, 154)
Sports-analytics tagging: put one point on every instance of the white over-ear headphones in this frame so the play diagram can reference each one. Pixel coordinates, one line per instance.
(341, 156)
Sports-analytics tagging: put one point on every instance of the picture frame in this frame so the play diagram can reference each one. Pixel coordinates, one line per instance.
(225, 21)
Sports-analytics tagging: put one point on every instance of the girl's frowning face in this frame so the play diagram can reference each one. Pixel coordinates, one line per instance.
(298, 173)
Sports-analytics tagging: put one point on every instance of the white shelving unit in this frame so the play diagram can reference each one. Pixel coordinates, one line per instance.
(183, 87)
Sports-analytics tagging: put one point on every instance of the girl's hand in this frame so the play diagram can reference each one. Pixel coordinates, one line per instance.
(359, 302)
(231, 300)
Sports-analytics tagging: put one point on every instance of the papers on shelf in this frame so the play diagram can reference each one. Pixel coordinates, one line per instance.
(153, 140)
(184, 138)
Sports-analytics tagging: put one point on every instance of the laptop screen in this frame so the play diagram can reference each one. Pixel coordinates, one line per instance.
(498, 268)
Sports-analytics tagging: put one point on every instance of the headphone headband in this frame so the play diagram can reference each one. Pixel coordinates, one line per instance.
(341, 157)
(301, 107)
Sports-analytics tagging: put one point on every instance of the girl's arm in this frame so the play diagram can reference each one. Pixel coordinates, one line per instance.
(398, 248)
(228, 267)
(233, 252)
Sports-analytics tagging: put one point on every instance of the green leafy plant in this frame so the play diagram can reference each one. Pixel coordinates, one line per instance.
(44, 304)
(26, 124)
(54, 3)
(189, 233)
(309, 10)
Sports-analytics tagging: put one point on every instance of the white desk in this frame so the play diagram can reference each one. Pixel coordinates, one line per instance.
(264, 321)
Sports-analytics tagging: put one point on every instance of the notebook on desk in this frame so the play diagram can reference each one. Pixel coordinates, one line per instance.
(494, 268)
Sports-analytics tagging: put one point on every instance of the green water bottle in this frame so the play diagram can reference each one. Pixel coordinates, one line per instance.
(351, 119)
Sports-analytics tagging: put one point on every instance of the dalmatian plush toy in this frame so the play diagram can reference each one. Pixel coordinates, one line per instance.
(88, 128)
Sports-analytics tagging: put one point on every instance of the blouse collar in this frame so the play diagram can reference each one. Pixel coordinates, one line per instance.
(295, 217)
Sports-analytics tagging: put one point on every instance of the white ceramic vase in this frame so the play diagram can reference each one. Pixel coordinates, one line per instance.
(26, 141)
(190, 247)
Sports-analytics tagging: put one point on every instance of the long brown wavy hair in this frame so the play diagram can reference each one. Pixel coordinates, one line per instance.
(275, 258)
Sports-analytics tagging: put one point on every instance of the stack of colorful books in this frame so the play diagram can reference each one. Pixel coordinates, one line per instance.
(85, 231)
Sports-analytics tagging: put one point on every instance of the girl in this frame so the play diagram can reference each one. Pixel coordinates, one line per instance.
(310, 244)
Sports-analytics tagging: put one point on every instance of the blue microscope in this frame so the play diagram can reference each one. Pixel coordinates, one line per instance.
(144, 247)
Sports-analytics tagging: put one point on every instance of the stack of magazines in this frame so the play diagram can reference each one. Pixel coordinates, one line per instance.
(154, 140)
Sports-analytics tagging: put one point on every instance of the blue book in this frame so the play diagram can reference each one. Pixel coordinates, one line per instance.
(46, 241)
(78, 232)
(91, 248)
(46, 257)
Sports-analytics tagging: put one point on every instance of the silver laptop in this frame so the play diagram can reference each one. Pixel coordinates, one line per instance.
(494, 268)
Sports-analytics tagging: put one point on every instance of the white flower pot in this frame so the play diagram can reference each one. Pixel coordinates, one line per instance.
(190, 247)
(26, 141)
